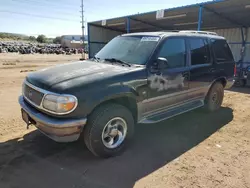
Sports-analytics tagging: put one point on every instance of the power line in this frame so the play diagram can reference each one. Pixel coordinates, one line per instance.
(56, 10)
(39, 4)
(35, 15)
(46, 12)
(64, 4)
(51, 3)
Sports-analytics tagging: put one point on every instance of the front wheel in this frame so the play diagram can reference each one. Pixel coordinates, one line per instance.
(109, 129)
(214, 97)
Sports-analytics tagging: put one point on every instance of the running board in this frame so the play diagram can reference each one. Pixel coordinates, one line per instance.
(174, 111)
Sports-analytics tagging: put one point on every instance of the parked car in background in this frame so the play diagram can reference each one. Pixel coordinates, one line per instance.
(242, 77)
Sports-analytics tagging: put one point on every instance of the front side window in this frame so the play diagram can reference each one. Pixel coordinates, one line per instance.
(131, 49)
(200, 53)
(174, 50)
(222, 51)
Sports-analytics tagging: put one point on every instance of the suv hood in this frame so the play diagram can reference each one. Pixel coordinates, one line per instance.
(90, 70)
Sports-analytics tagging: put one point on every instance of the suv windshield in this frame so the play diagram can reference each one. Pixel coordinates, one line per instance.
(130, 49)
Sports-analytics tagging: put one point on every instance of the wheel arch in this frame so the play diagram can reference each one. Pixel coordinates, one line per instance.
(222, 80)
(127, 99)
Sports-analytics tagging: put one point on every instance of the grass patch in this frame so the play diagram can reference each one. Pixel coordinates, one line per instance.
(9, 63)
(27, 70)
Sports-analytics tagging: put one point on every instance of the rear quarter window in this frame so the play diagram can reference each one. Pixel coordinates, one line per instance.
(222, 51)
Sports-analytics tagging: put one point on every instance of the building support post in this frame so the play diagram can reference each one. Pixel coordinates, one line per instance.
(200, 18)
(128, 25)
(88, 41)
(243, 47)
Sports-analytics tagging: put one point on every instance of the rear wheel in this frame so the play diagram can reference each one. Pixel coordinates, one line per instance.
(240, 83)
(109, 129)
(214, 97)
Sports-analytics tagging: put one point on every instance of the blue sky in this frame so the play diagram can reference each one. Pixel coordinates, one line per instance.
(63, 16)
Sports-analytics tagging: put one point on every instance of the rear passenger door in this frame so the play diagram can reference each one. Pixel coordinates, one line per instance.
(202, 68)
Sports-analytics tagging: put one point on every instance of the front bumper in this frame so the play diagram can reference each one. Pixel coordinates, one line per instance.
(60, 130)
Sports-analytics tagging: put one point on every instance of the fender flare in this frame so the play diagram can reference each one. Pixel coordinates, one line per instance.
(110, 93)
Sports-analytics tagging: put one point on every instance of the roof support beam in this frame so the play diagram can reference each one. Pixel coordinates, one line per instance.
(147, 23)
(112, 29)
(88, 40)
(225, 17)
(244, 39)
(200, 17)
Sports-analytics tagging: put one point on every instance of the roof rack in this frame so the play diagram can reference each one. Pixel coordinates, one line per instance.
(199, 32)
(170, 31)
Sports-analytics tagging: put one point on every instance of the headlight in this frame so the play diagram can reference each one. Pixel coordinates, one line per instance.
(59, 104)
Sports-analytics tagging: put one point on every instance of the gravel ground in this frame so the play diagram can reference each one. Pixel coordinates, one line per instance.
(192, 150)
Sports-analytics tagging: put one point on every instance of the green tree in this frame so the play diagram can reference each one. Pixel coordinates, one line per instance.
(41, 38)
(57, 40)
(32, 38)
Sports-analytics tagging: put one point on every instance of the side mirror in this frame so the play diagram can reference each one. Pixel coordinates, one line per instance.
(162, 63)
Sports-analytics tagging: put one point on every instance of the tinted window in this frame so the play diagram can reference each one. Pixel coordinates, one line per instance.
(199, 51)
(174, 51)
(222, 51)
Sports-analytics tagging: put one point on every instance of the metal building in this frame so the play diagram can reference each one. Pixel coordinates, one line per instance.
(229, 18)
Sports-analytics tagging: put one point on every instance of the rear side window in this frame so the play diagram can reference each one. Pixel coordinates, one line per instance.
(200, 53)
(174, 50)
(221, 50)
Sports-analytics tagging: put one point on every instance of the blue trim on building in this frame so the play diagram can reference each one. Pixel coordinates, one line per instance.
(128, 25)
(242, 37)
(200, 17)
(88, 39)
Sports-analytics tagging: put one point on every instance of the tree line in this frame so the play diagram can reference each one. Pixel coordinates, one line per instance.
(39, 38)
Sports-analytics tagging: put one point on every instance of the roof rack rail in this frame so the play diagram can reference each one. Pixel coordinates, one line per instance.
(170, 30)
(199, 32)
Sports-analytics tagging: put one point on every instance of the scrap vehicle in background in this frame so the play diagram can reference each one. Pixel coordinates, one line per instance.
(242, 77)
(135, 78)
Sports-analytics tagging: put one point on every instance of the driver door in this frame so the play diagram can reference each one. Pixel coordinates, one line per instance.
(168, 86)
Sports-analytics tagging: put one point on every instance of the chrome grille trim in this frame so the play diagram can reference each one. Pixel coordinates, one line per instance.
(32, 94)
(45, 92)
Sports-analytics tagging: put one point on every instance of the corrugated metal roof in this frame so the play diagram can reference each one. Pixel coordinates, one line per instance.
(216, 15)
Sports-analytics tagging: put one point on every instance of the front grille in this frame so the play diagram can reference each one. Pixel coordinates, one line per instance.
(33, 95)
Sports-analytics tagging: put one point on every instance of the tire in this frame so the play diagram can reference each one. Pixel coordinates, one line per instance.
(214, 97)
(240, 83)
(97, 127)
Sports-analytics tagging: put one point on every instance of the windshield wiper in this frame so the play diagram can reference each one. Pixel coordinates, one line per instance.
(96, 58)
(114, 60)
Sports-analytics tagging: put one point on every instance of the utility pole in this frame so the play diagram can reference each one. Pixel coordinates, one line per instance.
(82, 15)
